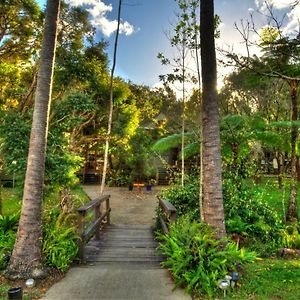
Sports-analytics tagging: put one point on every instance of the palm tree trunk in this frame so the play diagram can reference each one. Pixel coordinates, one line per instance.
(26, 260)
(198, 63)
(211, 154)
(292, 213)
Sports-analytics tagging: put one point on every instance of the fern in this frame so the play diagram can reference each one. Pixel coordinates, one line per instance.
(196, 259)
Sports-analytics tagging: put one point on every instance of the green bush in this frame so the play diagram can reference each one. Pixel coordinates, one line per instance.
(8, 228)
(9, 222)
(246, 213)
(59, 241)
(117, 179)
(291, 236)
(7, 241)
(185, 199)
(196, 259)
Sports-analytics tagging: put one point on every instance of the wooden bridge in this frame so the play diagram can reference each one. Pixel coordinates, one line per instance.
(121, 261)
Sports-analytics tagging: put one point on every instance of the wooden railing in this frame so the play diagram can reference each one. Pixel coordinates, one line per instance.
(167, 215)
(87, 229)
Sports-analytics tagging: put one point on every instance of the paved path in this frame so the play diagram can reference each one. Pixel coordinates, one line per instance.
(123, 264)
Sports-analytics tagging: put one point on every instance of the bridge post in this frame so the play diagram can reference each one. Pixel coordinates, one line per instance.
(97, 216)
(81, 242)
(108, 209)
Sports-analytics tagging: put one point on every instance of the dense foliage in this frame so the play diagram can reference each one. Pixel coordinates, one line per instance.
(8, 227)
(184, 198)
(196, 259)
(59, 240)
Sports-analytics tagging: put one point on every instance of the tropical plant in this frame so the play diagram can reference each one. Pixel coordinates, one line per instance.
(59, 241)
(8, 228)
(184, 198)
(291, 236)
(196, 259)
(247, 214)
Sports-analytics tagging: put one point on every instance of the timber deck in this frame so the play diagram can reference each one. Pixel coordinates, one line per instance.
(124, 244)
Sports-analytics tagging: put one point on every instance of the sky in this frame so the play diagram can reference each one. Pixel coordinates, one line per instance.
(145, 23)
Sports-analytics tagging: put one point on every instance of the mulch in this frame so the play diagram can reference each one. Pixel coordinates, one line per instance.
(40, 288)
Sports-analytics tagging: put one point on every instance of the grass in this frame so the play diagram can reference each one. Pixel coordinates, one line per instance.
(269, 279)
(12, 199)
(276, 198)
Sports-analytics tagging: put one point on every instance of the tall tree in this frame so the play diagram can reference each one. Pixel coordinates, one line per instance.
(26, 260)
(213, 210)
(280, 60)
(20, 24)
(111, 102)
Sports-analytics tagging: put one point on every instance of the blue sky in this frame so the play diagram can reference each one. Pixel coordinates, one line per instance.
(151, 19)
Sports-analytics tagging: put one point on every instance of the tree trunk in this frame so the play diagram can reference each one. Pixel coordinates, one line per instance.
(298, 168)
(211, 149)
(198, 63)
(1, 198)
(280, 170)
(111, 104)
(292, 213)
(183, 114)
(26, 260)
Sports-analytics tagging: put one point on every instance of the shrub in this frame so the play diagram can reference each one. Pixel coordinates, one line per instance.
(7, 241)
(185, 199)
(117, 179)
(9, 222)
(291, 236)
(59, 241)
(246, 214)
(8, 228)
(196, 259)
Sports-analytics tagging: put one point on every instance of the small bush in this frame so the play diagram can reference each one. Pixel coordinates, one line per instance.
(117, 179)
(59, 242)
(291, 236)
(196, 259)
(9, 222)
(7, 241)
(185, 199)
(246, 214)
(8, 228)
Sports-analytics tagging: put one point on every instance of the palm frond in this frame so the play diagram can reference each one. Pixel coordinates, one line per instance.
(171, 141)
(192, 149)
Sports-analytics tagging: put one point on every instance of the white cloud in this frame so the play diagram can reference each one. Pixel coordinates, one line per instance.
(98, 10)
(277, 4)
(293, 16)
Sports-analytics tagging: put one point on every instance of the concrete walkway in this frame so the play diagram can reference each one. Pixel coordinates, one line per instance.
(129, 272)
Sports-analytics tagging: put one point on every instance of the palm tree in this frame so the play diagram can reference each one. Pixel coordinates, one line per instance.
(213, 210)
(26, 260)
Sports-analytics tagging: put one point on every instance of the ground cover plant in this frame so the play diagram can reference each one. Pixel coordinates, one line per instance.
(269, 279)
(196, 259)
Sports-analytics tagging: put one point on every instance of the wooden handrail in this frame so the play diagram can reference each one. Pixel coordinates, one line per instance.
(87, 233)
(92, 203)
(168, 214)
